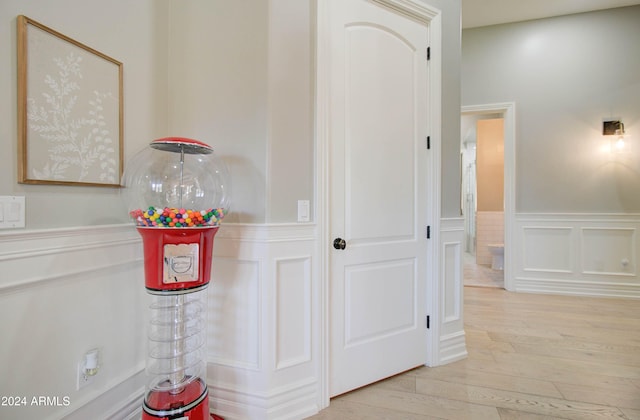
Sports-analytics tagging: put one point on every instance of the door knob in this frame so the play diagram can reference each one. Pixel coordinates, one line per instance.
(339, 243)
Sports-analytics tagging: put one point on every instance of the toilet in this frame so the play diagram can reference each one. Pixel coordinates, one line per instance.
(497, 256)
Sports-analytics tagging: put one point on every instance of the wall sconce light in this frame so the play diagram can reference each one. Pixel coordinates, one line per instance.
(614, 128)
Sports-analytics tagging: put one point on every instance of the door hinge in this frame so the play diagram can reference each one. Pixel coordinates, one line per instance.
(428, 232)
(428, 142)
(428, 322)
(428, 53)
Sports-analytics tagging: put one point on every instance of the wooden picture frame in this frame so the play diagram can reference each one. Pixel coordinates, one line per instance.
(70, 117)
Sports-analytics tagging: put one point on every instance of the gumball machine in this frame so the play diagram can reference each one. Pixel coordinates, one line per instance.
(177, 193)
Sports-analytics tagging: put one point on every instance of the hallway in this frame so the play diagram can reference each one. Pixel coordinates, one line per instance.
(531, 357)
(481, 275)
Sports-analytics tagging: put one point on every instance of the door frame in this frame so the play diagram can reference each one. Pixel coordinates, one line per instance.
(508, 112)
(432, 17)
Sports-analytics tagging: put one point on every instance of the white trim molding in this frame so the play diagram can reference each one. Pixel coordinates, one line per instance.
(508, 111)
(577, 254)
(413, 9)
(67, 252)
(264, 322)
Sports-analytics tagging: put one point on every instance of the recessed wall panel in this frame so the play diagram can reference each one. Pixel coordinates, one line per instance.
(293, 306)
(451, 264)
(607, 250)
(547, 249)
(234, 310)
(371, 292)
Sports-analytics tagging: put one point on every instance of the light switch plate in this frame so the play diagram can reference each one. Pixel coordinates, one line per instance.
(303, 210)
(12, 212)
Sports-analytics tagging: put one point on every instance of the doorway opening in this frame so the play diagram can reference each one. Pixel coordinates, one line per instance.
(487, 150)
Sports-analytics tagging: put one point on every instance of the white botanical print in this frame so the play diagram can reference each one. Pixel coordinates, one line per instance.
(76, 134)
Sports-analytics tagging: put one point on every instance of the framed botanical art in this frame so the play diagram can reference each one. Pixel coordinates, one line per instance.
(70, 113)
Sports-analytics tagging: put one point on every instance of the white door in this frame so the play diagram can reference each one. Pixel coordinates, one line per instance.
(378, 121)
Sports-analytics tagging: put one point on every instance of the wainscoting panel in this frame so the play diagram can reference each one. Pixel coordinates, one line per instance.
(263, 322)
(234, 316)
(577, 254)
(452, 253)
(547, 249)
(293, 311)
(609, 251)
(451, 329)
(64, 292)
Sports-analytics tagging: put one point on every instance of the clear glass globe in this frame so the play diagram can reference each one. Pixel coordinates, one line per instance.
(176, 182)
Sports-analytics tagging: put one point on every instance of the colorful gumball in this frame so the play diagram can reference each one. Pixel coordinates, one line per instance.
(177, 217)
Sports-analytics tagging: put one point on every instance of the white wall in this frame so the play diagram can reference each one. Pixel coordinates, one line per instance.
(64, 292)
(450, 111)
(68, 285)
(241, 78)
(566, 75)
(218, 90)
(575, 226)
(249, 89)
(132, 33)
(291, 113)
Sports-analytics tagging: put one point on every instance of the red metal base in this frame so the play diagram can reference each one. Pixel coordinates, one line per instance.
(192, 403)
(154, 241)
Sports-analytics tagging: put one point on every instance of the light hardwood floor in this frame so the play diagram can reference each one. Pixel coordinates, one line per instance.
(531, 357)
(480, 275)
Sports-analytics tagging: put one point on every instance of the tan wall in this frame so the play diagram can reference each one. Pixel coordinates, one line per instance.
(490, 164)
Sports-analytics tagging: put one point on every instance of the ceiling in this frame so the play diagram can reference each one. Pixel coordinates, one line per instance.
(491, 12)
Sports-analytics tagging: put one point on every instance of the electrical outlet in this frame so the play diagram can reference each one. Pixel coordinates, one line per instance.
(88, 368)
(83, 379)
